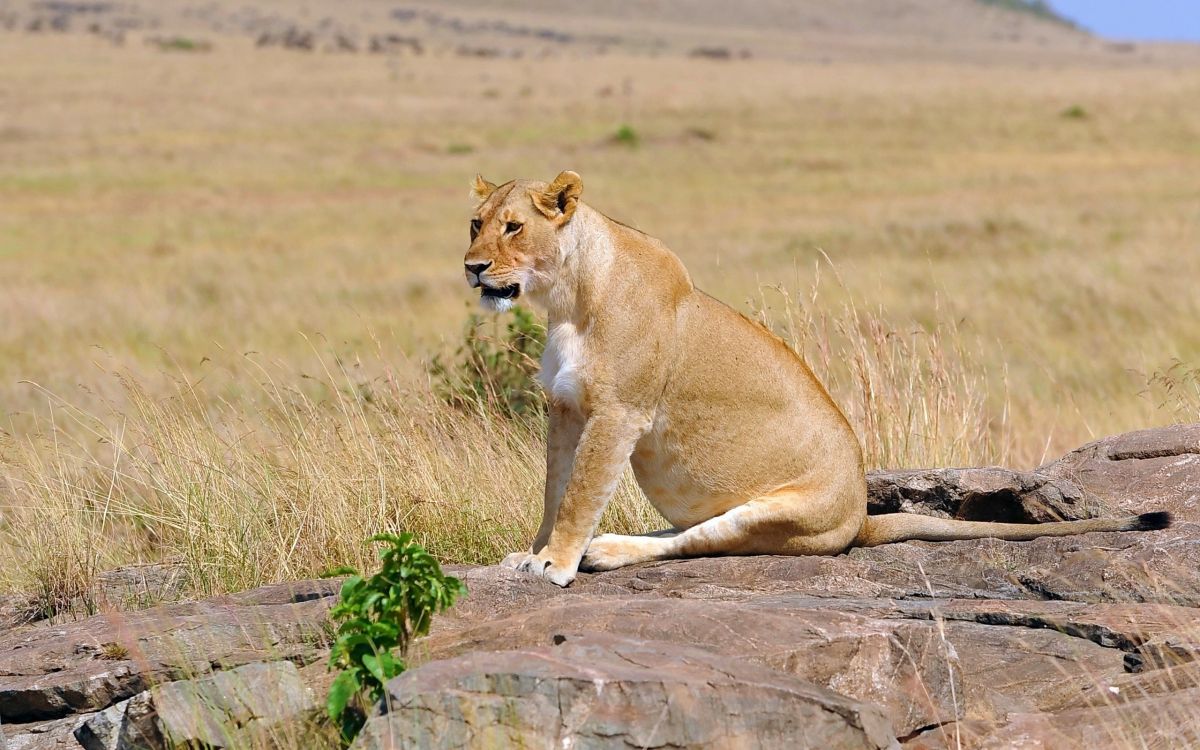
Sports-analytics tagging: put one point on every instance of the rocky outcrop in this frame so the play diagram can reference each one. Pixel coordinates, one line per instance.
(978, 494)
(225, 709)
(1137, 472)
(14, 612)
(1072, 642)
(873, 659)
(927, 662)
(598, 691)
(48, 672)
(42, 735)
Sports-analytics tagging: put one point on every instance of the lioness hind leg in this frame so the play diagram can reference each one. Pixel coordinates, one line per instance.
(612, 551)
(788, 522)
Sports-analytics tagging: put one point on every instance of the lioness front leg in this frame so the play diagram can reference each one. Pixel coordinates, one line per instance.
(562, 439)
(605, 443)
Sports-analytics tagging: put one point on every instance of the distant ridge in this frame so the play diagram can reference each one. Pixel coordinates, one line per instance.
(1039, 8)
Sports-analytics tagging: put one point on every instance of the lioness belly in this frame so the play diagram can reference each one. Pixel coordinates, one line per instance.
(681, 485)
(675, 493)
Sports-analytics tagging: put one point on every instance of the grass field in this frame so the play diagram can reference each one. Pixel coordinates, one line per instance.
(224, 274)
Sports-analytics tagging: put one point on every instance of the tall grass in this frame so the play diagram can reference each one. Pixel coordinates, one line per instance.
(916, 395)
(288, 481)
(283, 485)
(282, 488)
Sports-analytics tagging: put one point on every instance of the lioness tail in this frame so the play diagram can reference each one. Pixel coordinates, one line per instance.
(902, 527)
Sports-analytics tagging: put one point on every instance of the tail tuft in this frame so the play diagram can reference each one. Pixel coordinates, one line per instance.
(1151, 521)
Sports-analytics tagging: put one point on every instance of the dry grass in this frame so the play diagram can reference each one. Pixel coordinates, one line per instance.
(1176, 390)
(286, 483)
(225, 273)
(917, 396)
(282, 486)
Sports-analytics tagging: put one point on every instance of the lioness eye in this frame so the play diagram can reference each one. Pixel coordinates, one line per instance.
(512, 227)
(476, 225)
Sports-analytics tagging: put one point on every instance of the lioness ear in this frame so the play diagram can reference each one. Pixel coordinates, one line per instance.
(559, 199)
(481, 188)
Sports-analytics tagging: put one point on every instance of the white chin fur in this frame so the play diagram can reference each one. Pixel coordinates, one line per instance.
(496, 304)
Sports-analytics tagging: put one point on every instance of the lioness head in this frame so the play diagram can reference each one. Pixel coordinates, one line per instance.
(514, 236)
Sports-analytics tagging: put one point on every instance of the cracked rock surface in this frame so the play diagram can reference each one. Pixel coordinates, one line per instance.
(1070, 642)
(601, 691)
(224, 709)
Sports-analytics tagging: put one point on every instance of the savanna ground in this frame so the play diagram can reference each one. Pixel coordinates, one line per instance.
(224, 276)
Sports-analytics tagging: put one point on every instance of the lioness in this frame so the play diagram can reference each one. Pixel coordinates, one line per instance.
(730, 435)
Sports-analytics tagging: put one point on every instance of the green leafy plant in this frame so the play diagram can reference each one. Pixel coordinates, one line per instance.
(1075, 112)
(377, 619)
(180, 44)
(626, 136)
(497, 371)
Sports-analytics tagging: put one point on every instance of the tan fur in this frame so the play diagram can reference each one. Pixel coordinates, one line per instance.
(729, 433)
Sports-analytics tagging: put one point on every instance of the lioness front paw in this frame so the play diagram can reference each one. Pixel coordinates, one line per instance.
(541, 566)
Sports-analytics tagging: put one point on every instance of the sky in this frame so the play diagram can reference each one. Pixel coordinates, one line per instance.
(1135, 19)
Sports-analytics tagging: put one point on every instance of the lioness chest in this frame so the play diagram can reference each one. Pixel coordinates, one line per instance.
(562, 365)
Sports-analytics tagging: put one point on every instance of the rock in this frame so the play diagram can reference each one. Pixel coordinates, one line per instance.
(1006, 670)
(317, 678)
(48, 672)
(981, 658)
(221, 710)
(127, 588)
(1143, 684)
(342, 42)
(871, 660)
(978, 494)
(1168, 722)
(1153, 567)
(1150, 635)
(140, 586)
(289, 37)
(392, 44)
(1137, 472)
(15, 611)
(122, 726)
(41, 735)
(601, 692)
(1159, 567)
(497, 591)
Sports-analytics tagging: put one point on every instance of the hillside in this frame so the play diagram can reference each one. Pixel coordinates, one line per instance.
(926, 19)
(811, 29)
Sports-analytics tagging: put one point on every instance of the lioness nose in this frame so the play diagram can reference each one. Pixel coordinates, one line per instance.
(478, 268)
